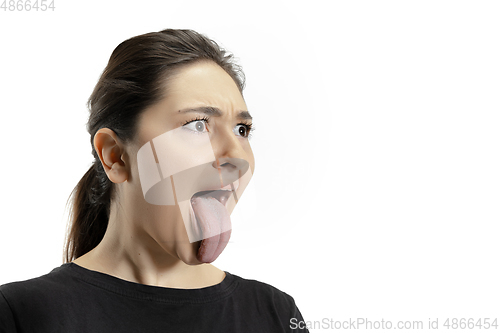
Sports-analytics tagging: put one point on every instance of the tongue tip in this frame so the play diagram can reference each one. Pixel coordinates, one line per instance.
(222, 241)
(203, 258)
(204, 261)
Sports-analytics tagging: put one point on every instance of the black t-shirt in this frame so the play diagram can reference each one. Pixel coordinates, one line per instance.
(72, 298)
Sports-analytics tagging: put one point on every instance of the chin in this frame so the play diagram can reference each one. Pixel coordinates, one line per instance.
(188, 254)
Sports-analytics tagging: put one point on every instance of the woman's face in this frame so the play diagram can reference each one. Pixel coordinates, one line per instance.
(195, 139)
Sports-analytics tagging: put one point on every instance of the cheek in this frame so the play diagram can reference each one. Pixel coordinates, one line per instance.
(164, 224)
(187, 252)
(170, 233)
(251, 160)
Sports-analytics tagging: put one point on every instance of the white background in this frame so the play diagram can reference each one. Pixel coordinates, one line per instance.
(377, 184)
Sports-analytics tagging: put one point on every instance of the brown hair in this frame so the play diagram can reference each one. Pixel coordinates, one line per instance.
(134, 78)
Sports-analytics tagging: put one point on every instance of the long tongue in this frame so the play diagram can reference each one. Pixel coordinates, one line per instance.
(212, 217)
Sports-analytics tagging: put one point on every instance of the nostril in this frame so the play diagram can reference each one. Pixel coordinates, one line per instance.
(229, 163)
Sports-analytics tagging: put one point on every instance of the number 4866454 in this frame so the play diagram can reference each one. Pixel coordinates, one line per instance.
(27, 5)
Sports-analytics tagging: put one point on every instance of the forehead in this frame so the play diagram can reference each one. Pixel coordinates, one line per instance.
(204, 84)
(195, 85)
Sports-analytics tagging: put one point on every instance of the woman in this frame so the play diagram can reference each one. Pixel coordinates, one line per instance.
(169, 132)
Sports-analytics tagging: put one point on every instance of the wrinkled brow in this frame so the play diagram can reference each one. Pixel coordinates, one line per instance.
(215, 112)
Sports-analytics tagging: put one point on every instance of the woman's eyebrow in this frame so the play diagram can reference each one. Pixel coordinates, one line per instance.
(215, 112)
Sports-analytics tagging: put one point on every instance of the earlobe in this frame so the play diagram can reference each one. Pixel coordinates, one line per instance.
(110, 150)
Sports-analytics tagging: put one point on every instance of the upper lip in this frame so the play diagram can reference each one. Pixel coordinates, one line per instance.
(221, 195)
(236, 184)
(219, 192)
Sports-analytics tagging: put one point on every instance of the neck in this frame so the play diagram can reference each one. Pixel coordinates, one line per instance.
(135, 256)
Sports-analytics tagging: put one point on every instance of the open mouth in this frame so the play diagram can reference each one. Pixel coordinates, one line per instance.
(211, 219)
(222, 194)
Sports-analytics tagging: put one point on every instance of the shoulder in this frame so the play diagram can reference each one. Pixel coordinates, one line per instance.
(43, 283)
(265, 293)
(37, 291)
(40, 303)
(270, 305)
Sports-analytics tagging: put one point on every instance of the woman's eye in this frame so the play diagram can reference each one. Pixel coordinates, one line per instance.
(241, 130)
(197, 126)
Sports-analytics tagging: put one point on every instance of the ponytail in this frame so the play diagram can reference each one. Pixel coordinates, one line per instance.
(89, 212)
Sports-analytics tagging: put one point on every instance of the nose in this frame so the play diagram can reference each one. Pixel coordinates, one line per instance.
(229, 154)
(230, 169)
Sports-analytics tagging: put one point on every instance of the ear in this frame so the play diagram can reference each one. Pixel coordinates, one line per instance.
(110, 150)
